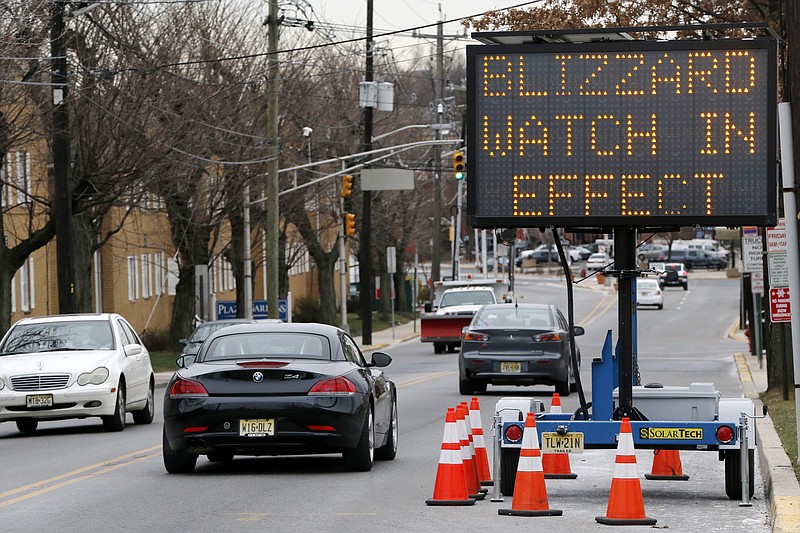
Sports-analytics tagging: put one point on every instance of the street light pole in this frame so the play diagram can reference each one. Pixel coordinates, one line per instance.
(62, 201)
(364, 266)
(273, 228)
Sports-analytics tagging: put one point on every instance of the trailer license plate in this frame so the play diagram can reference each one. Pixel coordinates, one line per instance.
(257, 427)
(510, 367)
(555, 443)
(38, 401)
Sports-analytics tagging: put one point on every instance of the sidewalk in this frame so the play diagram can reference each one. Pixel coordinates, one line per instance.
(781, 486)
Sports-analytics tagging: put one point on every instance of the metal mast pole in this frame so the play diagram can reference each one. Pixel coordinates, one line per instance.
(436, 258)
(273, 207)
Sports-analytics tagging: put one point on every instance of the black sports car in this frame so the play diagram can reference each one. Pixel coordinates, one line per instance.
(279, 389)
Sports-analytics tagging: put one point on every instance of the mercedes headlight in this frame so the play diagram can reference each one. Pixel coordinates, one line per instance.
(95, 377)
(2, 385)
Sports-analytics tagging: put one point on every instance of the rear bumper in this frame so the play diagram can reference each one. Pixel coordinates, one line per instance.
(546, 369)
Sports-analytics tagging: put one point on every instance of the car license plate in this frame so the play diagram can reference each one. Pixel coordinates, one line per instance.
(257, 427)
(555, 443)
(37, 401)
(510, 367)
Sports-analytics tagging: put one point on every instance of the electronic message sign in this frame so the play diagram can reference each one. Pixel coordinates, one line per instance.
(631, 133)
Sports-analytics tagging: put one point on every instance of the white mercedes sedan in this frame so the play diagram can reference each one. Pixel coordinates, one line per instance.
(75, 366)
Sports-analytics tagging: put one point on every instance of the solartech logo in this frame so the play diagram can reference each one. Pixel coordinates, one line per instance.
(671, 433)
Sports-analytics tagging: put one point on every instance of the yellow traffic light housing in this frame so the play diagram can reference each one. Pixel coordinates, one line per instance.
(347, 186)
(458, 165)
(349, 224)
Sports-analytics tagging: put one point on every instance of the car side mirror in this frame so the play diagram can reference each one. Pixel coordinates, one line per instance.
(132, 349)
(185, 360)
(578, 330)
(464, 329)
(428, 307)
(380, 359)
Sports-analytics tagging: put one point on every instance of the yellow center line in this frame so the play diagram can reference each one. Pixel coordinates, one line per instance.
(424, 379)
(122, 459)
(601, 307)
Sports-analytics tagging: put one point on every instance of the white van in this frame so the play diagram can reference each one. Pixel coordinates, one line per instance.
(707, 245)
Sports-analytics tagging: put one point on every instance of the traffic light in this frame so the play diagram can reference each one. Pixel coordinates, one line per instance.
(349, 223)
(347, 186)
(458, 165)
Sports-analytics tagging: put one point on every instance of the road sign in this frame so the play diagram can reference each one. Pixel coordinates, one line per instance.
(226, 309)
(778, 268)
(779, 309)
(776, 238)
(757, 283)
(752, 250)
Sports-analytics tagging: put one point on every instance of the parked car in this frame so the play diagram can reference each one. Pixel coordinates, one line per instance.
(75, 366)
(597, 262)
(520, 344)
(490, 262)
(279, 389)
(204, 329)
(651, 252)
(539, 257)
(672, 275)
(648, 292)
(697, 259)
(582, 253)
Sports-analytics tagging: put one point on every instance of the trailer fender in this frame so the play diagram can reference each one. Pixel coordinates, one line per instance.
(730, 410)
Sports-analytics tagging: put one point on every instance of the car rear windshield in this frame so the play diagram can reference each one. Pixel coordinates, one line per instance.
(467, 298)
(59, 336)
(267, 344)
(514, 317)
(646, 284)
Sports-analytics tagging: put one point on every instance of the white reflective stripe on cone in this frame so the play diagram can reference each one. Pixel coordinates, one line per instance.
(625, 471)
(529, 464)
(625, 446)
(450, 457)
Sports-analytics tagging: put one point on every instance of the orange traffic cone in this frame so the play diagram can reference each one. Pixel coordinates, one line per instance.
(530, 494)
(625, 503)
(481, 457)
(667, 466)
(556, 465)
(471, 437)
(470, 473)
(450, 487)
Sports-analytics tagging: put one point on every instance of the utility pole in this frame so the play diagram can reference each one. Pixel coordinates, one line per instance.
(273, 204)
(364, 267)
(62, 200)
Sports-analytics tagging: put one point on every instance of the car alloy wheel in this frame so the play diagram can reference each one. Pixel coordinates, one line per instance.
(388, 451)
(116, 422)
(359, 459)
(146, 415)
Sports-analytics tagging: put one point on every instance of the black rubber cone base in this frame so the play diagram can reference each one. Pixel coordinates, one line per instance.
(625, 521)
(521, 512)
(667, 478)
(560, 476)
(468, 501)
(487, 483)
(478, 496)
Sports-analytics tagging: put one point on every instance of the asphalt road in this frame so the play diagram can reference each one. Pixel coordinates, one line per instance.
(72, 476)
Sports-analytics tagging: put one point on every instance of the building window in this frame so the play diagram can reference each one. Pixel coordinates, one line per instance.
(160, 272)
(26, 286)
(133, 279)
(147, 278)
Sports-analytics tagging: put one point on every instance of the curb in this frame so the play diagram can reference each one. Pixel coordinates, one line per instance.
(781, 487)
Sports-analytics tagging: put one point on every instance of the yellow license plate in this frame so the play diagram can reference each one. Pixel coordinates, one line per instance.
(510, 367)
(38, 401)
(555, 443)
(257, 427)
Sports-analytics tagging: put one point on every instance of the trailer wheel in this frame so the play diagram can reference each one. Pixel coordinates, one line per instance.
(509, 459)
(438, 347)
(733, 473)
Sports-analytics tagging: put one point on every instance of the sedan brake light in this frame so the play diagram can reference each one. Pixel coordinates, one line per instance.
(544, 337)
(475, 336)
(261, 364)
(186, 387)
(333, 387)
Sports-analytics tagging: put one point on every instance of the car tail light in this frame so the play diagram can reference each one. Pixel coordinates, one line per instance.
(333, 387)
(658, 292)
(544, 337)
(724, 434)
(475, 336)
(322, 428)
(187, 387)
(261, 364)
(195, 429)
(513, 433)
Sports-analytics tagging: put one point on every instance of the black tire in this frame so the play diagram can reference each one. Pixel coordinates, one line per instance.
(177, 461)
(509, 459)
(466, 386)
(388, 451)
(116, 422)
(27, 425)
(220, 457)
(438, 347)
(480, 385)
(359, 459)
(686, 286)
(562, 387)
(733, 473)
(661, 306)
(146, 415)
